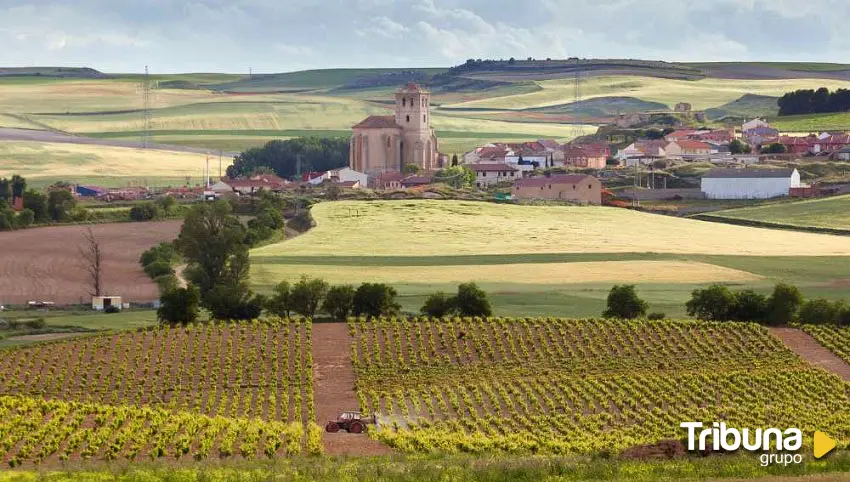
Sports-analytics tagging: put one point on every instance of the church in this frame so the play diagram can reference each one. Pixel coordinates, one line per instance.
(383, 144)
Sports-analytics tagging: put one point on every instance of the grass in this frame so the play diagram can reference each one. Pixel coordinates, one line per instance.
(546, 260)
(35, 160)
(464, 468)
(833, 212)
(812, 122)
(125, 320)
(702, 94)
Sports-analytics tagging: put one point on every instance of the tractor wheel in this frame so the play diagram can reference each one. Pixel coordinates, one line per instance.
(332, 427)
(356, 427)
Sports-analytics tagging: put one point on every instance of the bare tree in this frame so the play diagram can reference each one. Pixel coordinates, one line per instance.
(92, 253)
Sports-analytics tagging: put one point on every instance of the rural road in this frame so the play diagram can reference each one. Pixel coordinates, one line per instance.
(811, 351)
(32, 135)
(334, 389)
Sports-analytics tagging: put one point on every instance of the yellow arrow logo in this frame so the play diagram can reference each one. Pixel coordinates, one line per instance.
(823, 444)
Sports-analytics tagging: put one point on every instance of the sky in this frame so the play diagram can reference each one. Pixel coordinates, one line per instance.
(286, 35)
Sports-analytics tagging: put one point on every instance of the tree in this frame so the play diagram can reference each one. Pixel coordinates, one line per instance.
(472, 301)
(212, 242)
(783, 304)
(306, 296)
(456, 176)
(714, 303)
(749, 306)
(60, 205)
(339, 302)
(624, 303)
(290, 157)
(411, 169)
(439, 305)
(5, 189)
(820, 312)
(454, 160)
(279, 304)
(19, 186)
(774, 148)
(92, 254)
(37, 203)
(179, 306)
(375, 299)
(738, 147)
(25, 218)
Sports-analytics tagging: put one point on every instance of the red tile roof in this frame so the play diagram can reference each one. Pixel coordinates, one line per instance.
(490, 167)
(391, 176)
(688, 144)
(415, 180)
(544, 181)
(377, 122)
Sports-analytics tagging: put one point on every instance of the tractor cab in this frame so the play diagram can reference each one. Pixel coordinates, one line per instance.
(351, 422)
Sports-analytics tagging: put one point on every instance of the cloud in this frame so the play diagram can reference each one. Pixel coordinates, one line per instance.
(272, 36)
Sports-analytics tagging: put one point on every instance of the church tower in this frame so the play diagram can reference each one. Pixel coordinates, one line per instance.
(413, 114)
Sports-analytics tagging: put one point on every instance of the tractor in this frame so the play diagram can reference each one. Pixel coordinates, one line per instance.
(351, 422)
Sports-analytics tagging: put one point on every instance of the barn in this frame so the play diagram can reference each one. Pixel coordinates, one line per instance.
(749, 183)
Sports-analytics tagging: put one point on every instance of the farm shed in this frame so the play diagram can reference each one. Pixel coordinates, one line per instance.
(100, 303)
(749, 183)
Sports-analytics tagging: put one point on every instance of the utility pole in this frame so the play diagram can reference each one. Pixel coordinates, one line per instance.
(146, 110)
(219, 164)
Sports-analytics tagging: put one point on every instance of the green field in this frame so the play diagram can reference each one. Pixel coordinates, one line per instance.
(833, 212)
(546, 260)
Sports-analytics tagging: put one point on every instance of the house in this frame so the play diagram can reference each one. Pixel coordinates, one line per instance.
(415, 180)
(315, 178)
(830, 143)
(341, 175)
(722, 135)
(540, 157)
(749, 183)
(688, 149)
(487, 174)
(574, 187)
(251, 185)
(101, 303)
(680, 134)
(843, 154)
(640, 149)
(753, 125)
(389, 181)
(585, 156)
(794, 145)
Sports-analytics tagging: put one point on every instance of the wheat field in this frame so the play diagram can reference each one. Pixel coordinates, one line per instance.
(441, 228)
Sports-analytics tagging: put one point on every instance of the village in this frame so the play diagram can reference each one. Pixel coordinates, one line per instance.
(623, 166)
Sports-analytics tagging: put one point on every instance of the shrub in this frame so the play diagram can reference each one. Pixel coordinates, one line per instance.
(144, 212)
(624, 303)
(375, 299)
(111, 309)
(472, 301)
(227, 302)
(783, 304)
(656, 316)
(162, 252)
(339, 301)
(25, 218)
(279, 304)
(439, 305)
(820, 312)
(36, 324)
(179, 306)
(714, 303)
(306, 296)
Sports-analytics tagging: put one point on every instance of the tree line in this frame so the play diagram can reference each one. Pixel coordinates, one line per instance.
(58, 205)
(287, 158)
(808, 101)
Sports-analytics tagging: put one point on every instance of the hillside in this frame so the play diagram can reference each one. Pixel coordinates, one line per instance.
(832, 212)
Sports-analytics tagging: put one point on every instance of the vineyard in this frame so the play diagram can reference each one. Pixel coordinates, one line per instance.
(834, 338)
(579, 386)
(204, 390)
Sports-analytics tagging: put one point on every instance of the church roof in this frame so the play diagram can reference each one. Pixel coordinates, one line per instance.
(377, 122)
(412, 87)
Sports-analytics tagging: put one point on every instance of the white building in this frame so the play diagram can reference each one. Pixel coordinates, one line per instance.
(487, 174)
(749, 183)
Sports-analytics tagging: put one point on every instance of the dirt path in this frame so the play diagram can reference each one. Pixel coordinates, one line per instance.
(334, 390)
(811, 351)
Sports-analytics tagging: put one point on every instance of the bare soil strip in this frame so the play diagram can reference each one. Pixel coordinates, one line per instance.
(334, 390)
(811, 351)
